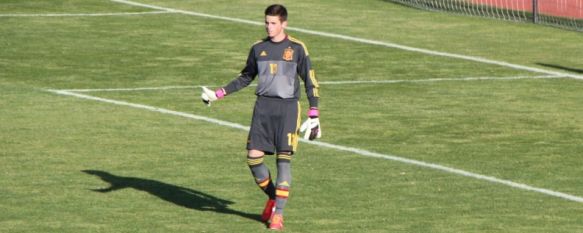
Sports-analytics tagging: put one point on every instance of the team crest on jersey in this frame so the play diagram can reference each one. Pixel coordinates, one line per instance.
(263, 53)
(288, 54)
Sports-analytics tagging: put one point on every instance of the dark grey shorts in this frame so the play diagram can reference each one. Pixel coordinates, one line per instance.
(274, 126)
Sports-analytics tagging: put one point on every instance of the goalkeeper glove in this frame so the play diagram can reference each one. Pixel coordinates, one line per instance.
(312, 125)
(209, 96)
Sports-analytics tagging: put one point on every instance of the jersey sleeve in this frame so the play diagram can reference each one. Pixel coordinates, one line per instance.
(245, 77)
(308, 76)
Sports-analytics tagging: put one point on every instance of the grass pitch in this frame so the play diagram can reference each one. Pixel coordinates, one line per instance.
(75, 165)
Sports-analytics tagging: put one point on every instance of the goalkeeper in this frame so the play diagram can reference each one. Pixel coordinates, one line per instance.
(279, 61)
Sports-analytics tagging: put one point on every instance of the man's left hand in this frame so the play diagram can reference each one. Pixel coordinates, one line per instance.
(311, 126)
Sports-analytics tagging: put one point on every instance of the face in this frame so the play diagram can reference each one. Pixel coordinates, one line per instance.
(274, 27)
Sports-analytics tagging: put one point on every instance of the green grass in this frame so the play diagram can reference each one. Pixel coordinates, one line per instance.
(59, 154)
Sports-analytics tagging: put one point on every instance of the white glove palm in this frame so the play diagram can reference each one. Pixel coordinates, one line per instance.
(208, 96)
(312, 128)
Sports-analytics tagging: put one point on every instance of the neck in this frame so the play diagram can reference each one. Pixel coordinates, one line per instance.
(278, 38)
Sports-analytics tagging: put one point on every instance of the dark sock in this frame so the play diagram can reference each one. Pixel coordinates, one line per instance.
(262, 176)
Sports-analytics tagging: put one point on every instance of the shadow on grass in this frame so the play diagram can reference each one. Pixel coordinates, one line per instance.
(177, 195)
(570, 69)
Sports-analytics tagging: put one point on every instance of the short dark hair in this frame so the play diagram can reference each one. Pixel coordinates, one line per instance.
(277, 10)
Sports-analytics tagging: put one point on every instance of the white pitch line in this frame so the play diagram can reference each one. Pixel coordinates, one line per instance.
(135, 89)
(336, 147)
(150, 108)
(438, 80)
(329, 83)
(364, 41)
(85, 14)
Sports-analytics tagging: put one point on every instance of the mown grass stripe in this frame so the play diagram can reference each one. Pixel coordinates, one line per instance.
(326, 83)
(336, 147)
(86, 14)
(365, 41)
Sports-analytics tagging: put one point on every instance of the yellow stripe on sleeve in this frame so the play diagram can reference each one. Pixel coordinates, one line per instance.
(300, 43)
(313, 78)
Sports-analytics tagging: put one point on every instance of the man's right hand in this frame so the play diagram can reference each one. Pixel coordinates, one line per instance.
(209, 96)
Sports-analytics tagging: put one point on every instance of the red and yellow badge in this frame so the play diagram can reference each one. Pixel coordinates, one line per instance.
(288, 54)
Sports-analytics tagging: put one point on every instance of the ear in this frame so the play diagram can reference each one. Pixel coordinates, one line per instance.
(284, 24)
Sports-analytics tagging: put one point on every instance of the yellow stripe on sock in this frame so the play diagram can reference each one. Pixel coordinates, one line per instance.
(254, 161)
(283, 156)
(264, 183)
(282, 193)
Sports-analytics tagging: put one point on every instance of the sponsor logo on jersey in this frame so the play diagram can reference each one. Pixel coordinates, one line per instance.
(263, 54)
(273, 68)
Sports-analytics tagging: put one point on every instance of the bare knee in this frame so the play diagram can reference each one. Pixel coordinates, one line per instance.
(255, 153)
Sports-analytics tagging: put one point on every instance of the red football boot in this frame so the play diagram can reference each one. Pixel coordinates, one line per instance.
(276, 222)
(268, 210)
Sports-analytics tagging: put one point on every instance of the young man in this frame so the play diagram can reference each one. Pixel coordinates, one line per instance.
(278, 61)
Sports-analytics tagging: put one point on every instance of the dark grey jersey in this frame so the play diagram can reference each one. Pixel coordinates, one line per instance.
(279, 67)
